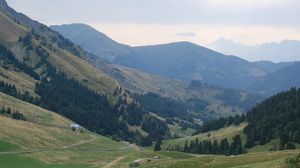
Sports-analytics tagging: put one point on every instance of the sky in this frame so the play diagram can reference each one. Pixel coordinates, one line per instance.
(143, 22)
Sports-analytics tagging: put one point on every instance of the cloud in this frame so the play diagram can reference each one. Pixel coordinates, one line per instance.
(186, 34)
(216, 12)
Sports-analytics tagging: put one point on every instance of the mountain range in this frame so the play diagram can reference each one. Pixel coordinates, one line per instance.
(184, 61)
(284, 51)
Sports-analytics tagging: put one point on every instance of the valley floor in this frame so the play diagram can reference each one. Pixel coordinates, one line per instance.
(87, 156)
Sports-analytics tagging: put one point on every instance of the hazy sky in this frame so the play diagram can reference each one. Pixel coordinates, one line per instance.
(140, 22)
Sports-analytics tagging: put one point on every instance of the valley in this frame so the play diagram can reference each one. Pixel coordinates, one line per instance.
(70, 96)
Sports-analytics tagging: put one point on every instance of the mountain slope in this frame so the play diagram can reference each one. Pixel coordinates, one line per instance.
(220, 101)
(40, 46)
(277, 117)
(58, 77)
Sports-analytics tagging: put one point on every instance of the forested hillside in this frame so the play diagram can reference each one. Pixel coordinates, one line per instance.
(276, 117)
(40, 66)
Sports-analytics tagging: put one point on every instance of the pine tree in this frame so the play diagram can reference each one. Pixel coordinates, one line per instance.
(224, 147)
(157, 145)
(186, 146)
(236, 146)
(215, 148)
(8, 111)
(3, 110)
(296, 137)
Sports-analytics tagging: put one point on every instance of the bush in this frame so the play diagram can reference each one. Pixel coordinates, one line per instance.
(293, 162)
(290, 145)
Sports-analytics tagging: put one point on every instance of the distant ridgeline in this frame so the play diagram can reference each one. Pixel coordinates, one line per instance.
(277, 117)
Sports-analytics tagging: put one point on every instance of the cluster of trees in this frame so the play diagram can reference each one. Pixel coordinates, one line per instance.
(12, 91)
(208, 147)
(293, 162)
(158, 144)
(156, 128)
(220, 123)
(9, 58)
(14, 114)
(276, 117)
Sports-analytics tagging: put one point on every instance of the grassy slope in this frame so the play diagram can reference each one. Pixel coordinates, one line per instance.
(227, 132)
(10, 31)
(22, 81)
(258, 157)
(49, 131)
(65, 61)
(139, 81)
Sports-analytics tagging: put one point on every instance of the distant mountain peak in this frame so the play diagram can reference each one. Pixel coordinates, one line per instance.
(90, 39)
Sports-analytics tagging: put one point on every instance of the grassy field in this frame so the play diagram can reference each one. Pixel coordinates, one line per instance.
(46, 140)
(176, 130)
(182, 160)
(227, 132)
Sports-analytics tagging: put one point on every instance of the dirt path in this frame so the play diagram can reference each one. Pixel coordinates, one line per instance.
(112, 163)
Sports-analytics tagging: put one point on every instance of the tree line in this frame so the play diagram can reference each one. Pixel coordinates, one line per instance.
(14, 114)
(9, 58)
(12, 91)
(211, 146)
(220, 123)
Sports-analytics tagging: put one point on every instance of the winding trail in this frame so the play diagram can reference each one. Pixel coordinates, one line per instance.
(112, 163)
